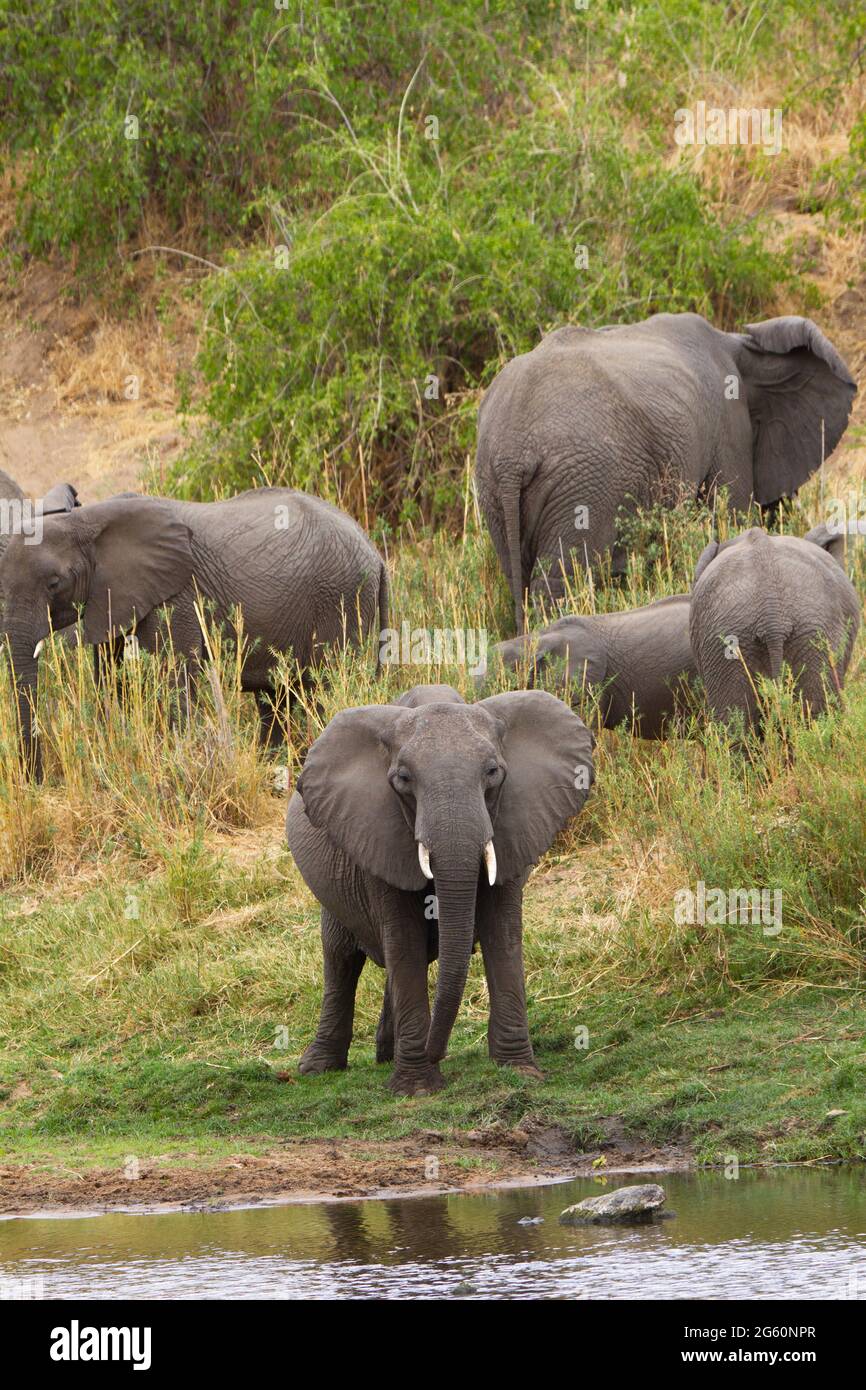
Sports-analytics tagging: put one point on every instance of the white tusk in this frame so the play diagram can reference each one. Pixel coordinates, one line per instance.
(490, 861)
(38, 648)
(424, 859)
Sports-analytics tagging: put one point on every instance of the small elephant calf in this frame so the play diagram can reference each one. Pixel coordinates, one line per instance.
(415, 825)
(760, 600)
(638, 662)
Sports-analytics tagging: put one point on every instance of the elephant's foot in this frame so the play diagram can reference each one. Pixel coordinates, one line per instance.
(319, 1057)
(416, 1081)
(527, 1065)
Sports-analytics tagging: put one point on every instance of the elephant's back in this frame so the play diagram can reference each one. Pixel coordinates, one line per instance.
(293, 514)
(607, 379)
(277, 535)
(778, 589)
(299, 569)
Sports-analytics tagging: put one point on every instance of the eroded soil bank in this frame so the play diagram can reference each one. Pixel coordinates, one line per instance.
(315, 1169)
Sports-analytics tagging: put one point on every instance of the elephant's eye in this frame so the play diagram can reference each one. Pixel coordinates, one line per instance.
(491, 771)
(402, 778)
(53, 583)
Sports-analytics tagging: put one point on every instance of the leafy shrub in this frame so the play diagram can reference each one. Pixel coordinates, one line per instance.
(361, 341)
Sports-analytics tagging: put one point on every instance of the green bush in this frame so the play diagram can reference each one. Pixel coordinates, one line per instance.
(361, 338)
(369, 258)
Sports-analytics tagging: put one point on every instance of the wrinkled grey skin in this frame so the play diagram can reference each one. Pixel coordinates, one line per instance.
(638, 414)
(302, 572)
(838, 544)
(782, 599)
(385, 779)
(637, 663)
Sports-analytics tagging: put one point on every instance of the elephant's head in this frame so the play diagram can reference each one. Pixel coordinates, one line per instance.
(573, 645)
(430, 695)
(456, 793)
(113, 561)
(799, 394)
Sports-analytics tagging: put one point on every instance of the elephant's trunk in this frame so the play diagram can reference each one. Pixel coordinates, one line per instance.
(456, 900)
(21, 646)
(455, 870)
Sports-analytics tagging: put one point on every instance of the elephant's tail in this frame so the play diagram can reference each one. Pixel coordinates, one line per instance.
(511, 514)
(775, 652)
(383, 614)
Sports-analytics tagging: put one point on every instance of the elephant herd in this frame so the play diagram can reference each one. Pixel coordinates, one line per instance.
(416, 823)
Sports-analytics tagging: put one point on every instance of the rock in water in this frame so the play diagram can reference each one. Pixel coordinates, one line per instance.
(624, 1204)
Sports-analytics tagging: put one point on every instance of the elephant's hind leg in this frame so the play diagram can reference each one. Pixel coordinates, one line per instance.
(329, 1050)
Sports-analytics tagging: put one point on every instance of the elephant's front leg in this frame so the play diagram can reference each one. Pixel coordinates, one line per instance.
(404, 934)
(500, 932)
(385, 1029)
(385, 1026)
(329, 1050)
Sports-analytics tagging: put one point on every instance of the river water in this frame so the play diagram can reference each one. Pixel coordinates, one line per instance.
(788, 1233)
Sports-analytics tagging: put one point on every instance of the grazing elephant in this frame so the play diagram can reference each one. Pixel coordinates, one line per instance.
(303, 574)
(397, 804)
(643, 413)
(759, 600)
(638, 662)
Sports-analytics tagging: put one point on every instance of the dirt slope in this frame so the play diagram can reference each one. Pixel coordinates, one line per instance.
(66, 375)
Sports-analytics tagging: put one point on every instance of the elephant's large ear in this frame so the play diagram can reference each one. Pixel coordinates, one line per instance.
(831, 541)
(60, 498)
(796, 382)
(141, 558)
(345, 789)
(706, 557)
(548, 752)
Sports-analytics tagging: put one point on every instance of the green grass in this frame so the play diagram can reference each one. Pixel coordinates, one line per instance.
(159, 944)
(172, 1049)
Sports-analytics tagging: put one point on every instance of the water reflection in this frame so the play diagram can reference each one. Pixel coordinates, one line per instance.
(791, 1233)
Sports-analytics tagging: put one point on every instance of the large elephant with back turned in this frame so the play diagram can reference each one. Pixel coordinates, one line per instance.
(303, 574)
(590, 421)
